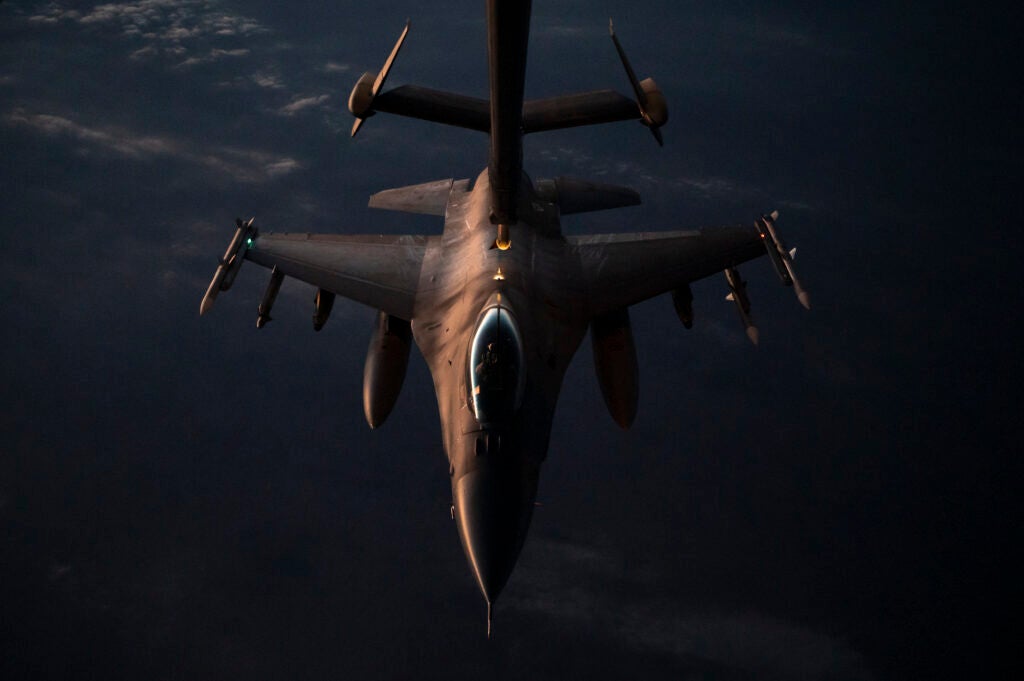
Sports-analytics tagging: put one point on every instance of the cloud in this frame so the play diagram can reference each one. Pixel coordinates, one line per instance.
(268, 80)
(169, 19)
(164, 24)
(302, 103)
(53, 13)
(797, 205)
(335, 67)
(243, 165)
(561, 31)
(638, 174)
(282, 167)
(571, 584)
(212, 55)
(144, 52)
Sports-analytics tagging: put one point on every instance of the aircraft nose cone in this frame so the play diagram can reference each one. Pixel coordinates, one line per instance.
(493, 513)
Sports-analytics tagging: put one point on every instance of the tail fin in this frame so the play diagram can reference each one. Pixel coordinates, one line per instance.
(429, 198)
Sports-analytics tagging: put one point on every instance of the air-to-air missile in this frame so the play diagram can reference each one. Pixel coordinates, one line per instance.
(781, 258)
(269, 296)
(738, 294)
(227, 268)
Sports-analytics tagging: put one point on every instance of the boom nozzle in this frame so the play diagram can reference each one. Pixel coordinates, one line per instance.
(504, 240)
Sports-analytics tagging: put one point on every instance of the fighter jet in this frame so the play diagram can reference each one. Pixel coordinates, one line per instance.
(501, 299)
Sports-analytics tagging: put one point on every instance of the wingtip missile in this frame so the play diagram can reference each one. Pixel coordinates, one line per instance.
(781, 257)
(228, 266)
(211, 294)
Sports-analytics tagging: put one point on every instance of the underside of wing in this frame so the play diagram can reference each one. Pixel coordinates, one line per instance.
(381, 271)
(620, 270)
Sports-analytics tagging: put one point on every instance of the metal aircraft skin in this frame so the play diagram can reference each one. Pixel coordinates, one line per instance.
(499, 302)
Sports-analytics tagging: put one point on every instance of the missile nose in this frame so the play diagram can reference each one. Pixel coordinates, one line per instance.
(492, 512)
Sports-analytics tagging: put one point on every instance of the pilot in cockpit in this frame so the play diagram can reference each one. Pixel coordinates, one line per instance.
(488, 362)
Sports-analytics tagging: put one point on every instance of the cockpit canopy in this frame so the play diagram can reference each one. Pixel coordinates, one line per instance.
(496, 366)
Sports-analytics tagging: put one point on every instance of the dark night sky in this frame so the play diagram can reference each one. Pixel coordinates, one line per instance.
(193, 498)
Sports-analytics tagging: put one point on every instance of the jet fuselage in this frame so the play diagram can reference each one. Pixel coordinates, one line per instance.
(500, 301)
(494, 458)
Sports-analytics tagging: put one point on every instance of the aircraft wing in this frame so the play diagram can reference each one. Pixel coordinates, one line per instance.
(619, 270)
(382, 271)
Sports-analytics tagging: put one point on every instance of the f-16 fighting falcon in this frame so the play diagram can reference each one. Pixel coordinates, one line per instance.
(500, 301)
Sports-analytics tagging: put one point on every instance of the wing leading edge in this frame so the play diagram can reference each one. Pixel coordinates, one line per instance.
(382, 271)
(620, 270)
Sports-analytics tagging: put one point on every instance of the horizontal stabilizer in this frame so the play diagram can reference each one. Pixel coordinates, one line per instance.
(437, 106)
(570, 111)
(474, 113)
(429, 198)
(573, 195)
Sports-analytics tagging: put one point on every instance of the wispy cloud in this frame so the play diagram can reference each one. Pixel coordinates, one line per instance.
(243, 165)
(281, 167)
(170, 19)
(213, 55)
(555, 29)
(166, 25)
(52, 13)
(301, 104)
(268, 80)
(638, 174)
(564, 586)
(335, 67)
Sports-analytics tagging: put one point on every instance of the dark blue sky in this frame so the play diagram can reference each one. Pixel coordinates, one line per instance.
(186, 498)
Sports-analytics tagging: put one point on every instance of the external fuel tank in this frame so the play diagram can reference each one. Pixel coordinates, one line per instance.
(386, 362)
(615, 363)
